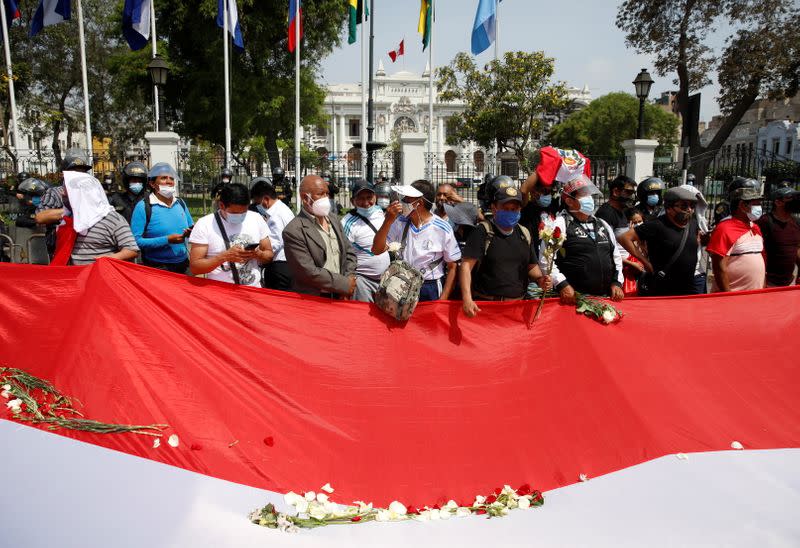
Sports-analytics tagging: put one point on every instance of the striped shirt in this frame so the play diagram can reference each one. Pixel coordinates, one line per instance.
(108, 235)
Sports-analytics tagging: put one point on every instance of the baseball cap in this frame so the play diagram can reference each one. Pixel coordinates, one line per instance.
(362, 184)
(579, 183)
(507, 194)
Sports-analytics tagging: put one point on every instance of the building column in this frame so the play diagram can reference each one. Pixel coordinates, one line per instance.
(334, 140)
(342, 133)
(440, 136)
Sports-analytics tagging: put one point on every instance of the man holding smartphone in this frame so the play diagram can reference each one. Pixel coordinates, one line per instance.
(161, 222)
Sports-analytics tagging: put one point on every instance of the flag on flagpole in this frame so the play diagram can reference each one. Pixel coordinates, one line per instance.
(424, 27)
(136, 23)
(233, 21)
(354, 9)
(395, 53)
(294, 6)
(12, 11)
(49, 12)
(484, 30)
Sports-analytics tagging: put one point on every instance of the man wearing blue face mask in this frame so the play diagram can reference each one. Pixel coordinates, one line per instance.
(134, 176)
(360, 226)
(649, 194)
(591, 262)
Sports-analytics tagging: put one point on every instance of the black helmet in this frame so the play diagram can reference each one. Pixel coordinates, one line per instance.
(32, 186)
(75, 159)
(649, 185)
(277, 173)
(226, 173)
(22, 175)
(743, 188)
(131, 170)
(501, 181)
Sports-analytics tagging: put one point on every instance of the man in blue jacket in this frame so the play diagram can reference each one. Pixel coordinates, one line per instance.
(161, 222)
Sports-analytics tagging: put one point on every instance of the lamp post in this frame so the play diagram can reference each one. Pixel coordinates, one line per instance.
(159, 70)
(642, 83)
(37, 139)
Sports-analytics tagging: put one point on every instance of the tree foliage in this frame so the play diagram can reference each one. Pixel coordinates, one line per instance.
(600, 128)
(761, 56)
(505, 102)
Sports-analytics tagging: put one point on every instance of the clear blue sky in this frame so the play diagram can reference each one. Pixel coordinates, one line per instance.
(579, 34)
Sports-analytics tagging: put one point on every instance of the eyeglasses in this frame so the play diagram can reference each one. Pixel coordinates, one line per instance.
(686, 206)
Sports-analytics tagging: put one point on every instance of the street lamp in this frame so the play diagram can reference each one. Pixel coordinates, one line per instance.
(37, 138)
(159, 70)
(642, 83)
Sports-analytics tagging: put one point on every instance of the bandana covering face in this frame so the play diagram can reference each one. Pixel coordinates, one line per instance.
(87, 199)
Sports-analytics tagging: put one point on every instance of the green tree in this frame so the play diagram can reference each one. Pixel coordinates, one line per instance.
(600, 128)
(505, 103)
(761, 56)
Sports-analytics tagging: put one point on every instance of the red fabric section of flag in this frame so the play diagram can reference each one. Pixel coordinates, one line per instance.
(314, 391)
(402, 49)
(550, 161)
(292, 29)
(65, 241)
(393, 56)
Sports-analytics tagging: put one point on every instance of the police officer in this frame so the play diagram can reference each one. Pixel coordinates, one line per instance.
(29, 194)
(488, 189)
(108, 184)
(282, 186)
(649, 194)
(134, 176)
(225, 176)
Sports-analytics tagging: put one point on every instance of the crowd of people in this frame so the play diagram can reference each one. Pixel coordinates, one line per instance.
(646, 239)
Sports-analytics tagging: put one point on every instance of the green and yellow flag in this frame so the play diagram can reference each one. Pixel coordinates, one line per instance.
(425, 17)
(355, 7)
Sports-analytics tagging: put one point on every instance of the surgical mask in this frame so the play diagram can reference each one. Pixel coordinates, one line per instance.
(545, 200)
(136, 188)
(367, 211)
(407, 208)
(587, 205)
(321, 207)
(652, 200)
(235, 218)
(166, 191)
(383, 203)
(36, 200)
(755, 213)
(506, 219)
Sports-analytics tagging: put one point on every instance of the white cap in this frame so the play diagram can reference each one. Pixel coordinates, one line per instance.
(407, 191)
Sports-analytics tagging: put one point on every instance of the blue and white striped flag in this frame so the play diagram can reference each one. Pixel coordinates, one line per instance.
(233, 21)
(484, 30)
(49, 12)
(136, 23)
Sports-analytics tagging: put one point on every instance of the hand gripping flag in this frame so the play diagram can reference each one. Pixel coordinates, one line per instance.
(49, 12)
(233, 21)
(484, 29)
(12, 11)
(295, 7)
(136, 23)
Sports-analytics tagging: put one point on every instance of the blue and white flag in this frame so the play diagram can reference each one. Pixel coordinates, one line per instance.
(49, 12)
(484, 29)
(136, 23)
(233, 21)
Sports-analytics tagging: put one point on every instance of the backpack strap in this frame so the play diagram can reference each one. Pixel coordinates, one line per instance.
(148, 210)
(487, 226)
(403, 240)
(234, 271)
(355, 213)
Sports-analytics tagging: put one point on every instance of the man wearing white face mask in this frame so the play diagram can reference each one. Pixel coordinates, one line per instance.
(360, 226)
(321, 259)
(161, 222)
(591, 262)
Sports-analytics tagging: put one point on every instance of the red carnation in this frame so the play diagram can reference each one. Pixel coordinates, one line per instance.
(557, 232)
(411, 510)
(524, 490)
(491, 498)
(355, 518)
(480, 511)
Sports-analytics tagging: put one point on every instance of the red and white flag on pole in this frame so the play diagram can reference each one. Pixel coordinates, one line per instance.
(401, 49)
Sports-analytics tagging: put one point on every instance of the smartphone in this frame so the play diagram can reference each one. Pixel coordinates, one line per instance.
(251, 247)
(188, 230)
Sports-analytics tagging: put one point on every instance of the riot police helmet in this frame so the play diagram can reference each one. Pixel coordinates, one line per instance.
(133, 170)
(32, 187)
(76, 159)
(277, 174)
(651, 185)
(226, 175)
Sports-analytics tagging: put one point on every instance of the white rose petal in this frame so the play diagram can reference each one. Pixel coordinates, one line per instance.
(451, 505)
(436, 514)
(424, 515)
(13, 403)
(445, 514)
(363, 507)
(6, 394)
(327, 488)
(383, 515)
(736, 445)
(311, 495)
(291, 498)
(156, 443)
(301, 506)
(463, 512)
(682, 456)
(524, 503)
(6, 387)
(317, 512)
(583, 477)
(173, 440)
(322, 497)
(394, 247)
(609, 316)
(480, 499)
(398, 508)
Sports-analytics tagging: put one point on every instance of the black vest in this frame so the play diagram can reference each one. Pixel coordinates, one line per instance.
(588, 263)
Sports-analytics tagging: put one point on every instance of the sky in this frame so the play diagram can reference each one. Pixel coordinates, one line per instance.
(580, 34)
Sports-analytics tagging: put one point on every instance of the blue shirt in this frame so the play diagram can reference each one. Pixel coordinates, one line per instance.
(163, 222)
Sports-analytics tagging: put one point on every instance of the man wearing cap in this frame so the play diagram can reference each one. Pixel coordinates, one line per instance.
(672, 242)
(505, 254)
(590, 262)
(161, 222)
(360, 226)
(321, 259)
(781, 236)
(266, 202)
(426, 241)
(736, 245)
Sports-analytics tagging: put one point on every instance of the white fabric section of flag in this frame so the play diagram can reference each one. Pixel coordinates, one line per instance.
(51, 17)
(142, 26)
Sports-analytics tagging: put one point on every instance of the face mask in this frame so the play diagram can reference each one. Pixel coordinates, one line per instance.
(407, 208)
(545, 200)
(587, 205)
(136, 188)
(166, 191)
(506, 219)
(638, 224)
(235, 218)
(755, 213)
(367, 211)
(36, 200)
(383, 203)
(321, 207)
(652, 200)
(682, 217)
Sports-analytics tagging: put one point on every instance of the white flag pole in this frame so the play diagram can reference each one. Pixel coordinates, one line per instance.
(10, 73)
(225, 28)
(82, 40)
(496, 58)
(155, 52)
(363, 91)
(430, 93)
(297, 103)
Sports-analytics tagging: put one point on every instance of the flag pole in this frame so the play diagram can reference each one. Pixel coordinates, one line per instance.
(10, 73)
(155, 52)
(84, 79)
(370, 100)
(430, 93)
(297, 103)
(496, 59)
(225, 28)
(363, 90)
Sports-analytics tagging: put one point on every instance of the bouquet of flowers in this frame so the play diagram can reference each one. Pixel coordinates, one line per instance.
(553, 239)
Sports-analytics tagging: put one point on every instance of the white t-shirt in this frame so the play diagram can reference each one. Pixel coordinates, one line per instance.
(361, 236)
(426, 244)
(279, 216)
(251, 231)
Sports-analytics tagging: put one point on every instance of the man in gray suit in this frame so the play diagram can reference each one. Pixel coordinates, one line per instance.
(321, 259)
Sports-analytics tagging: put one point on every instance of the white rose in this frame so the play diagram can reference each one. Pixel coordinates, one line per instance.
(6, 387)
(292, 499)
(398, 508)
(322, 497)
(11, 404)
(435, 514)
(480, 499)
(330, 507)
(363, 508)
(301, 506)
(383, 515)
(463, 512)
(317, 512)
(524, 503)
(445, 514)
(451, 505)
(327, 488)
(609, 315)
(311, 495)
(173, 440)
(394, 247)
(424, 515)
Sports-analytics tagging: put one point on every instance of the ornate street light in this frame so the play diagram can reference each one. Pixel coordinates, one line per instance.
(642, 83)
(159, 70)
